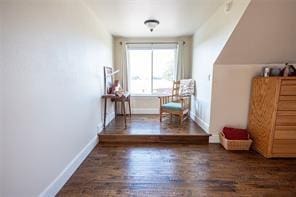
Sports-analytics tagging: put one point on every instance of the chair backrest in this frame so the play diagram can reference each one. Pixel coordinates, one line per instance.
(176, 90)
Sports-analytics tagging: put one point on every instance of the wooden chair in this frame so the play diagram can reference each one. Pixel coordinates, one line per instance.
(175, 104)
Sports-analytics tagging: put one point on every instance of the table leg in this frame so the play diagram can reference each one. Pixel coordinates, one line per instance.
(129, 106)
(115, 108)
(105, 108)
(123, 107)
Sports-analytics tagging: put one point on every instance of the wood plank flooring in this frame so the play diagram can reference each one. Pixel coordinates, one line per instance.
(180, 170)
(148, 129)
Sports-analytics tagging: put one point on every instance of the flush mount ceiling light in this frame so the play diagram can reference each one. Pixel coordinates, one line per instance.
(151, 24)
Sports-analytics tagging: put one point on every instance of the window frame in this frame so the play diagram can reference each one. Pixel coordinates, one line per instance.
(151, 46)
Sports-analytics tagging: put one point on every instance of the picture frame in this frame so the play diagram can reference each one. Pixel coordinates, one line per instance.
(108, 79)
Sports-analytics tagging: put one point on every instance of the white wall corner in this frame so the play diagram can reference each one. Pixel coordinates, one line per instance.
(64, 176)
(109, 117)
(214, 139)
(205, 126)
(100, 127)
(145, 110)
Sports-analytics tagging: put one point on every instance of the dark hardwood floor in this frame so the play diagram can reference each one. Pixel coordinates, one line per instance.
(148, 129)
(149, 124)
(180, 170)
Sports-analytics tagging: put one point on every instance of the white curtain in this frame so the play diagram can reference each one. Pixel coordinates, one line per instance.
(124, 66)
(180, 63)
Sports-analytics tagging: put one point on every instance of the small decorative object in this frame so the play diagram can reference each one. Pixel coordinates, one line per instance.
(119, 92)
(288, 70)
(275, 72)
(115, 87)
(235, 139)
(266, 72)
(108, 79)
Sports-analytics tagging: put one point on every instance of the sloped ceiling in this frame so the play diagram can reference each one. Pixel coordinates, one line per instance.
(265, 34)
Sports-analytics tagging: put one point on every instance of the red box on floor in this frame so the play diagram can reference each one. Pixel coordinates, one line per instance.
(235, 139)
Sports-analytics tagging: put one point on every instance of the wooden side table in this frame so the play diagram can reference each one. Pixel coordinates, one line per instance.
(114, 98)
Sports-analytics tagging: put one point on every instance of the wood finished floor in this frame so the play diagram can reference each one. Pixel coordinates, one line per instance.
(180, 170)
(149, 124)
(147, 129)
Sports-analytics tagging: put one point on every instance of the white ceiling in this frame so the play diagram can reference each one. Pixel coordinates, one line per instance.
(177, 17)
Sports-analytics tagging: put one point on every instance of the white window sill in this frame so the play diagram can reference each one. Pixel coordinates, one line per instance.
(148, 95)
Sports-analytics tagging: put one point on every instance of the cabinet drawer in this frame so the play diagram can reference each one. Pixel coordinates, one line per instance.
(284, 146)
(285, 132)
(286, 113)
(288, 90)
(288, 82)
(287, 105)
(285, 120)
(287, 98)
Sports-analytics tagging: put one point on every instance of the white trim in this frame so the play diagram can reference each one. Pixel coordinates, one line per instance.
(63, 177)
(100, 128)
(148, 95)
(205, 126)
(110, 116)
(145, 110)
(214, 139)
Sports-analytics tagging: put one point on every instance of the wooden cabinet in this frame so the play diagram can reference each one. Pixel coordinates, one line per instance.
(272, 116)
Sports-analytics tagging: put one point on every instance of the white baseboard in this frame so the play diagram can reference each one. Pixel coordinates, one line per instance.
(100, 128)
(145, 110)
(110, 116)
(63, 177)
(214, 139)
(205, 126)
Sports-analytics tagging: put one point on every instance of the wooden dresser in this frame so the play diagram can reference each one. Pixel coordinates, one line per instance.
(272, 116)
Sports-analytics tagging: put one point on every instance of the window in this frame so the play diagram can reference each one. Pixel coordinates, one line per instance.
(151, 68)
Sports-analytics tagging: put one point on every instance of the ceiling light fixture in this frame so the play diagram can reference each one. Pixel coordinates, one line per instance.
(151, 24)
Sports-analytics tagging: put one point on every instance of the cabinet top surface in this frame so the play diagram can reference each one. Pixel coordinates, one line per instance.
(285, 78)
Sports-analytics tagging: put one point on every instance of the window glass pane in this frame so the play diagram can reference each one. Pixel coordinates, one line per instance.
(164, 61)
(140, 71)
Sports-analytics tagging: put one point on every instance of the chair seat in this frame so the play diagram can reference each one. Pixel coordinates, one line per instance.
(172, 106)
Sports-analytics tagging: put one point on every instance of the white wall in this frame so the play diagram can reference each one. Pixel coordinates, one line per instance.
(150, 104)
(54, 53)
(208, 42)
(230, 96)
(1, 111)
(265, 34)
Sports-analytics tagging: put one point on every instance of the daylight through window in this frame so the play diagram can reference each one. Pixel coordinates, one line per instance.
(151, 68)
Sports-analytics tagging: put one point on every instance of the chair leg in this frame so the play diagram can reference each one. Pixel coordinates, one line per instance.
(160, 116)
(181, 119)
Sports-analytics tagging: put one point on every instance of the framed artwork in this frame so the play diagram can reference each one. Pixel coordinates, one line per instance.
(108, 79)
